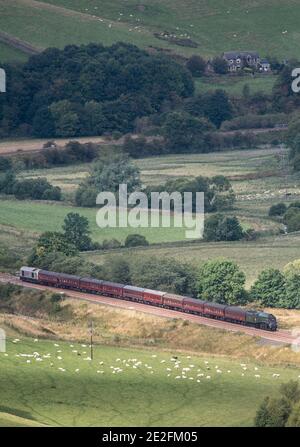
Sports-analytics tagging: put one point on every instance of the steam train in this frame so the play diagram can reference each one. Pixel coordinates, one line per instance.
(233, 314)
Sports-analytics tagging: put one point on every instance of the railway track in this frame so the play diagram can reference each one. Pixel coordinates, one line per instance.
(280, 336)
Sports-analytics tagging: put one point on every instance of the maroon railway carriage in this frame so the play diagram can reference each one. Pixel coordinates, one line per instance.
(174, 301)
(91, 285)
(112, 289)
(133, 293)
(193, 305)
(153, 297)
(235, 313)
(214, 310)
(59, 279)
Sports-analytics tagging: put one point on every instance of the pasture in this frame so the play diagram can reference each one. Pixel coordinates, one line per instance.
(269, 27)
(234, 85)
(55, 383)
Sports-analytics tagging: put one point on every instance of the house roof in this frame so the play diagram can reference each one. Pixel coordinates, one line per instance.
(240, 54)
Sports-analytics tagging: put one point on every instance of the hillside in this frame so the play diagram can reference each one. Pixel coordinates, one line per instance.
(268, 26)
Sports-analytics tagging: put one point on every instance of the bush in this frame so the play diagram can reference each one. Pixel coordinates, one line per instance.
(292, 219)
(36, 189)
(222, 228)
(109, 244)
(277, 210)
(136, 240)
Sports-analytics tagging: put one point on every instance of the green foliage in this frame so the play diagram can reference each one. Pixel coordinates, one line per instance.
(36, 189)
(110, 171)
(215, 106)
(88, 89)
(273, 413)
(5, 164)
(220, 65)
(183, 132)
(196, 65)
(221, 281)
(119, 270)
(222, 228)
(164, 274)
(269, 288)
(275, 289)
(277, 210)
(135, 240)
(294, 418)
(77, 232)
(292, 219)
(282, 411)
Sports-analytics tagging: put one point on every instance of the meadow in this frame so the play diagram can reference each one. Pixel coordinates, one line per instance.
(56, 383)
(234, 85)
(269, 26)
(216, 27)
(258, 177)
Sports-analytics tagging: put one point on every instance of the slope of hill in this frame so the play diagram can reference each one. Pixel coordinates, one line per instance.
(268, 26)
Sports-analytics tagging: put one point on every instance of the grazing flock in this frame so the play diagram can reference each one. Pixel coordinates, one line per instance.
(172, 367)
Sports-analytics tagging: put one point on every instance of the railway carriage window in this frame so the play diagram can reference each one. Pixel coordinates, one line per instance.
(32, 275)
(22, 273)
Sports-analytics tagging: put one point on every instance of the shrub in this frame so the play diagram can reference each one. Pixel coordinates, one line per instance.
(136, 240)
(277, 210)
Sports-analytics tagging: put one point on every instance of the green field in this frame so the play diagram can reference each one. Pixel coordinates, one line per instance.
(47, 383)
(234, 85)
(36, 217)
(9, 54)
(214, 26)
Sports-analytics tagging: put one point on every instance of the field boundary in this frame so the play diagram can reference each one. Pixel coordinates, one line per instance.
(19, 44)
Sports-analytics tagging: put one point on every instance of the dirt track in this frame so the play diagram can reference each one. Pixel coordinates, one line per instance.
(280, 336)
(21, 45)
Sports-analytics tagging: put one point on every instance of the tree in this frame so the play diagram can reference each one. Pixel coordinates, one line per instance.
(196, 65)
(51, 242)
(221, 281)
(273, 413)
(269, 288)
(222, 228)
(119, 270)
(66, 120)
(5, 164)
(282, 411)
(220, 65)
(294, 418)
(292, 299)
(165, 274)
(135, 240)
(185, 133)
(277, 210)
(292, 219)
(290, 391)
(109, 172)
(76, 230)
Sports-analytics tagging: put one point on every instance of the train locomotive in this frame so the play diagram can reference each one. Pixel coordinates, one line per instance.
(233, 314)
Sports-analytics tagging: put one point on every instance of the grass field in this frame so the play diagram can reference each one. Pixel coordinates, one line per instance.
(269, 26)
(234, 85)
(40, 217)
(252, 257)
(48, 383)
(9, 54)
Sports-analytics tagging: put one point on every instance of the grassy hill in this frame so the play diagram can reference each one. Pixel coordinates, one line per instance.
(51, 384)
(268, 26)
